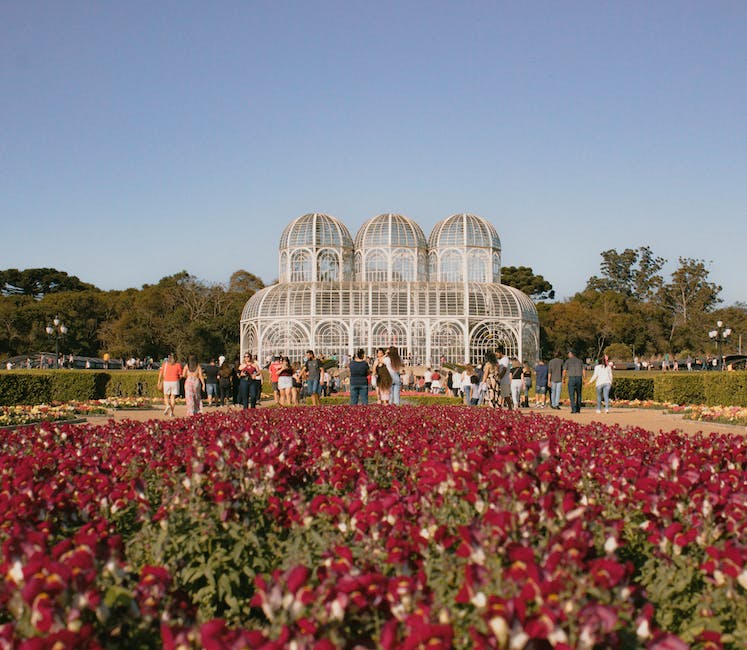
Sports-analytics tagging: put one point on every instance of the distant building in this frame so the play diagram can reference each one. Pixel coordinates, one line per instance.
(435, 299)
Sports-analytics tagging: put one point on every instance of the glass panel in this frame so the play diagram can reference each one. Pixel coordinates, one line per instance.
(328, 266)
(376, 267)
(301, 266)
(451, 267)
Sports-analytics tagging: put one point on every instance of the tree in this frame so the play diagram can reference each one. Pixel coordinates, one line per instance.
(634, 273)
(244, 282)
(524, 279)
(689, 297)
(39, 282)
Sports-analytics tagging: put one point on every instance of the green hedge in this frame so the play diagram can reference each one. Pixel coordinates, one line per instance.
(44, 386)
(725, 388)
(678, 388)
(632, 388)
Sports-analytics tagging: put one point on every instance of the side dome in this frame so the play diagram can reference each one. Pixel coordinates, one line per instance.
(315, 247)
(464, 248)
(390, 248)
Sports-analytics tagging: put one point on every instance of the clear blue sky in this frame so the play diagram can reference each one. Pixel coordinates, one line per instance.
(139, 138)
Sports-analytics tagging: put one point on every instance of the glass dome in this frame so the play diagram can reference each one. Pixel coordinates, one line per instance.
(464, 231)
(390, 230)
(315, 248)
(390, 247)
(464, 248)
(316, 230)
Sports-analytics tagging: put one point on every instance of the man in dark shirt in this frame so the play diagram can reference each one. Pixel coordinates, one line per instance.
(313, 376)
(211, 381)
(540, 371)
(555, 376)
(574, 372)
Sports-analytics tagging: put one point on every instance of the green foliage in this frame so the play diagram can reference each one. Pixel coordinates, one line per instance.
(132, 383)
(524, 279)
(25, 387)
(619, 352)
(74, 385)
(633, 388)
(39, 282)
(725, 388)
(33, 387)
(675, 388)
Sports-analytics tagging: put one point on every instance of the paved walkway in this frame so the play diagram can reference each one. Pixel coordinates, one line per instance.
(649, 419)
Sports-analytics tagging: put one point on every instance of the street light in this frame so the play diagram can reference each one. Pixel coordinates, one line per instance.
(57, 328)
(720, 335)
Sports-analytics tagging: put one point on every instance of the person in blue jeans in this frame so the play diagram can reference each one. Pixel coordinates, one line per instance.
(602, 377)
(575, 373)
(395, 367)
(359, 372)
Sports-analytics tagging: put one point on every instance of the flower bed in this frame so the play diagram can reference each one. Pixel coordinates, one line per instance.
(11, 416)
(702, 413)
(371, 527)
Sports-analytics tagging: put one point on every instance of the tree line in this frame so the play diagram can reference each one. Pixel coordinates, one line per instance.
(630, 305)
(180, 313)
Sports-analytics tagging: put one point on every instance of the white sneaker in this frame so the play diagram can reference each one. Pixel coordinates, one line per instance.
(598, 411)
(606, 410)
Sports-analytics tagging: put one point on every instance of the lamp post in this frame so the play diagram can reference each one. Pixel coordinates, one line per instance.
(720, 336)
(57, 328)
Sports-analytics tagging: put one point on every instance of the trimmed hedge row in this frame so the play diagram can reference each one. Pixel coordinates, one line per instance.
(710, 388)
(44, 386)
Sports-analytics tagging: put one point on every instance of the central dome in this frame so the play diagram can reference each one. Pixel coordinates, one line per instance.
(316, 230)
(390, 230)
(390, 248)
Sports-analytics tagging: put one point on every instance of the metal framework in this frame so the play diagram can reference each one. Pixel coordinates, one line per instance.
(436, 300)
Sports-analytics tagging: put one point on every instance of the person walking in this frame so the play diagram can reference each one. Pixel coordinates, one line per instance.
(602, 377)
(383, 377)
(540, 389)
(491, 375)
(526, 376)
(285, 382)
(555, 377)
(505, 363)
(248, 371)
(394, 365)
(465, 381)
(194, 384)
(517, 381)
(211, 381)
(225, 374)
(359, 372)
(574, 372)
(168, 380)
(313, 369)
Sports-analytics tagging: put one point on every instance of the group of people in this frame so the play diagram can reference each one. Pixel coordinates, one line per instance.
(505, 383)
(289, 380)
(239, 383)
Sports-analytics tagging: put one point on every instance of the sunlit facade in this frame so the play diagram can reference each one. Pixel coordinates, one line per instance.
(435, 299)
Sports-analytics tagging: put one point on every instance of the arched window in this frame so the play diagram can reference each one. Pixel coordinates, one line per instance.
(327, 266)
(496, 268)
(478, 266)
(451, 267)
(301, 266)
(403, 266)
(331, 338)
(376, 267)
(447, 343)
(491, 336)
(283, 275)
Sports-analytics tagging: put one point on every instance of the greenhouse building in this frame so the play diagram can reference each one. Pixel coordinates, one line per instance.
(438, 299)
